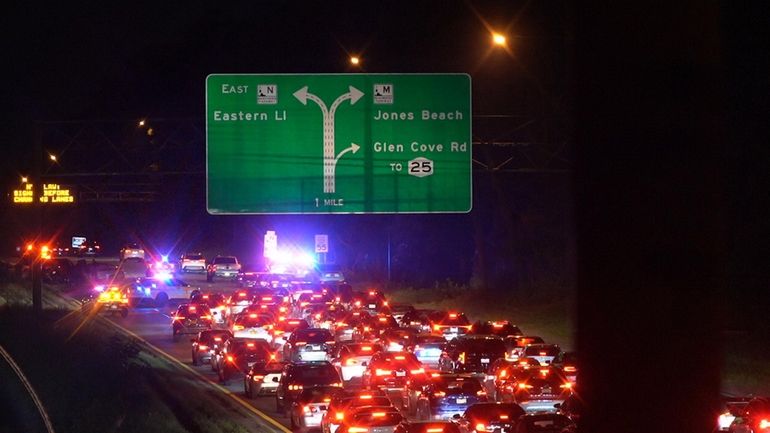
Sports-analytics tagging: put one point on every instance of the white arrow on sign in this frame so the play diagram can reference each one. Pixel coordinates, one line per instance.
(353, 148)
(330, 161)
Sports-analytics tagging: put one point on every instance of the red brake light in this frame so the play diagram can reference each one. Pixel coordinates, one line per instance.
(339, 416)
(381, 372)
(365, 397)
(567, 385)
(383, 319)
(524, 386)
(253, 315)
(481, 427)
(764, 424)
(399, 357)
(570, 369)
(242, 295)
(203, 347)
(230, 359)
(418, 371)
(452, 315)
(249, 344)
(217, 338)
(191, 308)
(366, 348)
(503, 417)
(358, 430)
(434, 430)
(543, 353)
(378, 414)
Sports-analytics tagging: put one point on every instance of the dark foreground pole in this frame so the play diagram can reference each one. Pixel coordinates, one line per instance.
(648, 185)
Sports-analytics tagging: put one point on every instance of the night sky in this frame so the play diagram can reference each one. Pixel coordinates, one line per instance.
(129, 61)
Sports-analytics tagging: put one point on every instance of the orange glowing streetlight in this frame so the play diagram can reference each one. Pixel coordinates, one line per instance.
(498, 39)
(355, 60)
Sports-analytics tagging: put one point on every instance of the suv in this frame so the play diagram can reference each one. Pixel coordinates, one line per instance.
(132, 251)
(192, 262)
(302, 375)
(449, 325)
(311, 344)
(223, 266)
(473, 354)
(447, 395)
(239, 354)
(190, 319)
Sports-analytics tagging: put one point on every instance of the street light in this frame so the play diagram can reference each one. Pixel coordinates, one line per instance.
(498, 39)
(141, 122)
(52, 157)
(24, 179)
(354, 60)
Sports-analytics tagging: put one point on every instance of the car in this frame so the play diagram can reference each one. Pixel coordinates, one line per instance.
(391, 370)
(379, 324)
(515, 344)
(297, 376)
(310, 406)
(428, 349)
(428, 427)
(132, 250)
(396, 339)
(372, 301)
(417, 319)
(544, 353)
(448, 394)
(133, 267)
(262, 378)
(239, 300)
(192, 262)
(206, 343)
(543, 423)
(311, 344)
(471, 353)
(542, 392)
(371, 419)
(352, 327)
(189, 319)
(253, 325)
(283, 329)
(398, 311)
(502, 328)
(223, 267)
(215, 301)
(567, 362)
(510, 374)
(574, 407)
(489, 417)
(106, 300)
(163, 290)
(351, 359)
(344, 404)
(753, 418)
(450, 325)
(238, 354)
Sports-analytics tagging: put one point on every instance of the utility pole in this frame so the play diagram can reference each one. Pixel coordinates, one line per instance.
(36, 266)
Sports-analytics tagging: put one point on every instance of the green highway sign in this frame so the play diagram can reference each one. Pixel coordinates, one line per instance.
(338, 143)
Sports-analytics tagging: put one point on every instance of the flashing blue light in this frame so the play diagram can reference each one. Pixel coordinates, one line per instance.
(162, 276)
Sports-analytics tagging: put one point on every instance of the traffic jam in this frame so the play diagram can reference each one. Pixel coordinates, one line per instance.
(339, 358)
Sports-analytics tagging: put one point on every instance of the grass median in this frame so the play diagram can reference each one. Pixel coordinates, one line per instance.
(546, 312)
(95, 379)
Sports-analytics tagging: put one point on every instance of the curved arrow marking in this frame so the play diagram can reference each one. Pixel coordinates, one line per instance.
(353, 148)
